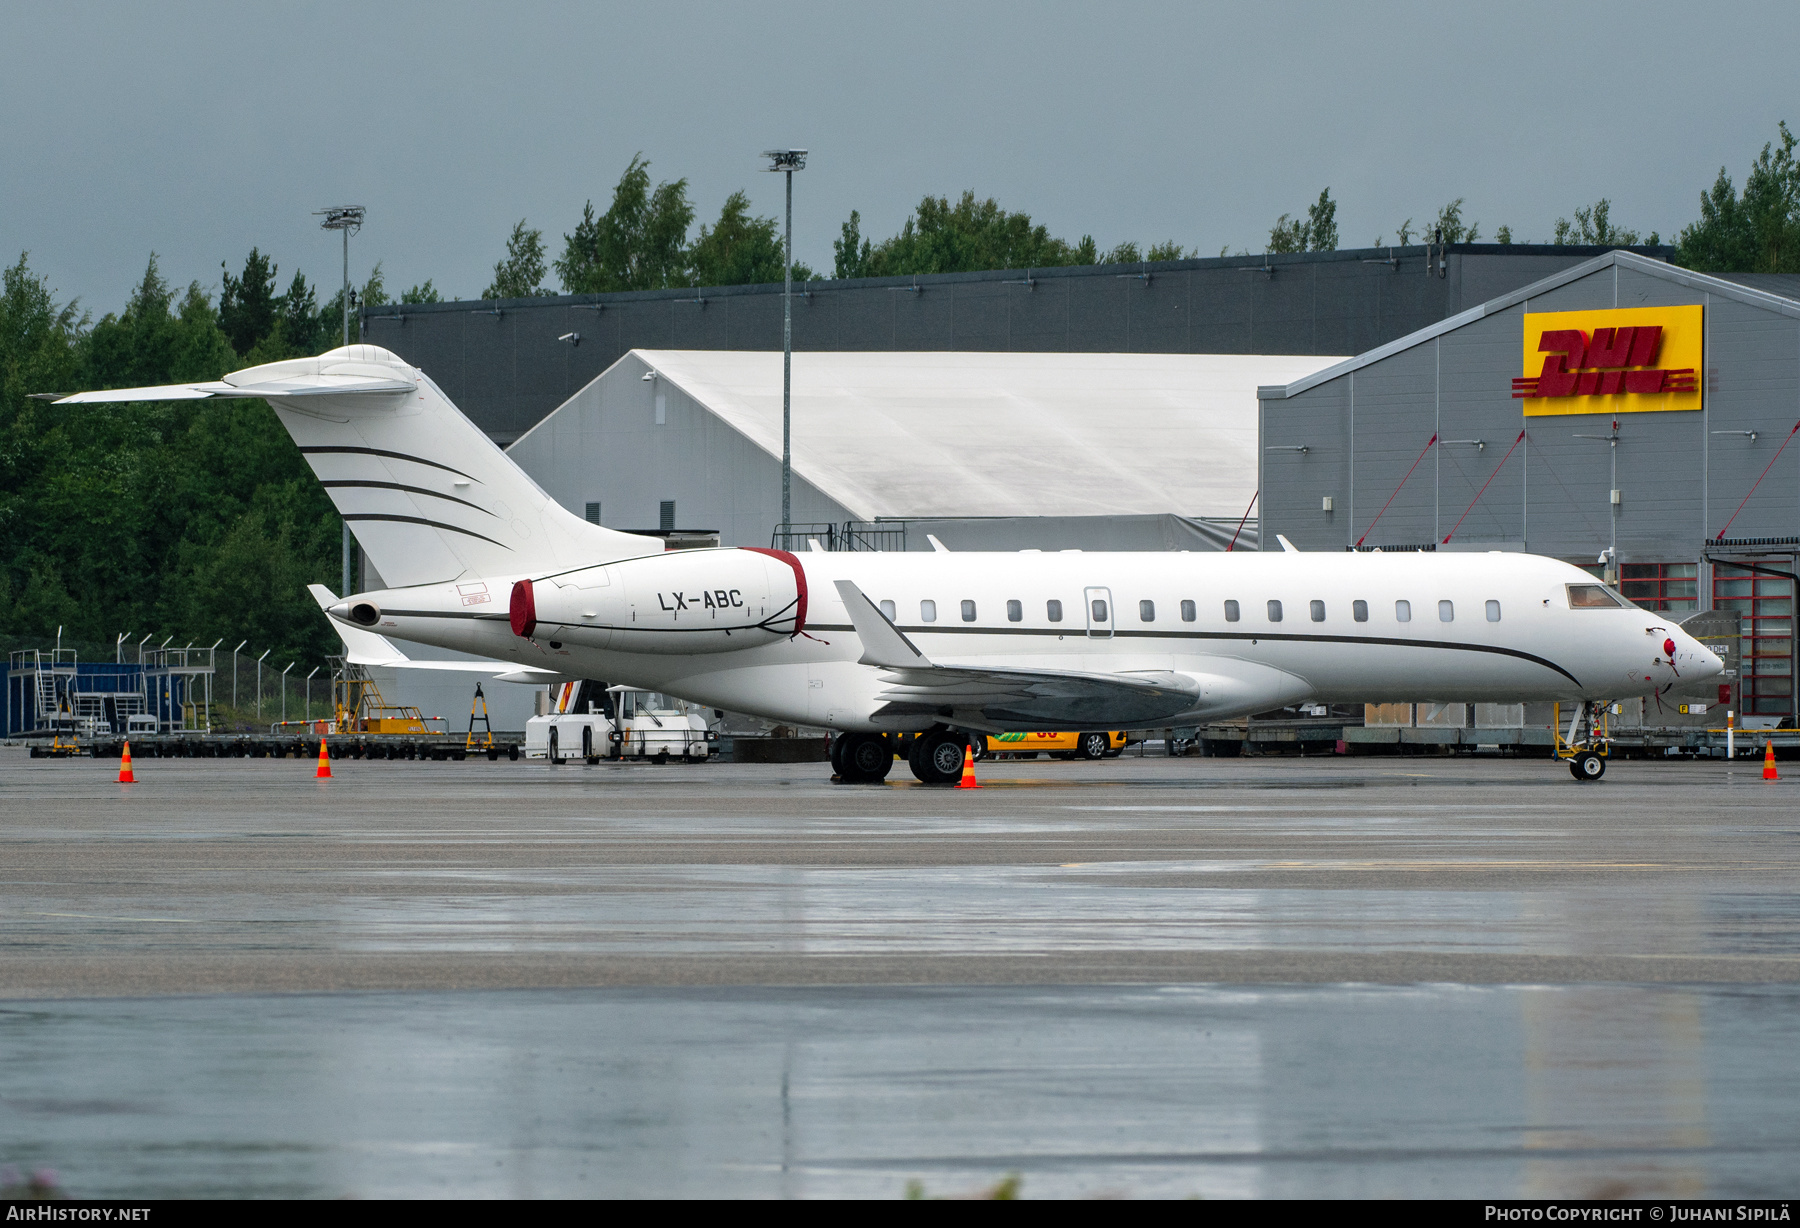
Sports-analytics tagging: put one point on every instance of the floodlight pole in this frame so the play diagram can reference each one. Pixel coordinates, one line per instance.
(787, 161)
(347, 220)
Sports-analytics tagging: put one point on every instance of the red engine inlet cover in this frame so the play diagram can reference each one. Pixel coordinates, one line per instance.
(523, 609)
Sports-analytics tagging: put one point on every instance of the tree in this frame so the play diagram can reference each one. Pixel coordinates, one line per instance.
(1758, 232)
(969, 236)
(1593, 227)
(1321, 224)
(1318, 233)
(1449, 227)
(426, 293)
(247, 307)
(521, 273)
(852, 249)
(1503, 235)
(639, 243)
(1288, 234)
(739, 250)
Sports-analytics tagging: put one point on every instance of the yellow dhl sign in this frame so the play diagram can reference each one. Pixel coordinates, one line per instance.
(1630, 360)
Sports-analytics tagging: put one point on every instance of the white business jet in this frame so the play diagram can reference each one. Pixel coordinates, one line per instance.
(943, 644)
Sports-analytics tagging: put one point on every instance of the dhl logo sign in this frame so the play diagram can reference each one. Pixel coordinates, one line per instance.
(1631, 360)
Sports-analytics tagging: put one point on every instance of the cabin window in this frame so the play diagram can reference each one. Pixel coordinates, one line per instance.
(1317, 609)
(1359, 610)
(1592, 597)
(1446, 612)
(1015, 612)
(968, 611)
(1053, 611)
(1403, 611)
(1274, 611)
(1493, 611)
(1188, 613)
(887, 609)
(1146, 611)
(1231, 611)
(1098, 610)
(928, 611)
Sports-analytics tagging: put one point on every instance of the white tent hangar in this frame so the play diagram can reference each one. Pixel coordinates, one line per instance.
(994, 450)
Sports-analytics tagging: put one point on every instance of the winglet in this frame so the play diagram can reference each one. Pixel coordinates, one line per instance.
(883, 643)
(1286, 545)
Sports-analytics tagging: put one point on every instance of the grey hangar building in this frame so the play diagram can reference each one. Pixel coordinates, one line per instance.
(1428, 438)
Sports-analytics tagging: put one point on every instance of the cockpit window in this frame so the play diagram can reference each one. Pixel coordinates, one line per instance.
(1593, 597)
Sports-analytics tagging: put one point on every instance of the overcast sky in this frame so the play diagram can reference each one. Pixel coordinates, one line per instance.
(197, 130)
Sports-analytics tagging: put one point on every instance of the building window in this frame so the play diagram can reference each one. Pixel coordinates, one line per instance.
(1015, 612)
(1446, 612)
(1231, 611)
(1403, 611)
(1669, 588)
(1053, 610)
(1765, 606)
(1146, 611)
(887, 609)
(667, 518)
(593, 513)
(1493, 611)
(1359, 610)
(1188, 613)
(1274, 611)
(968, 611)
(1317, 609)
(928, 611)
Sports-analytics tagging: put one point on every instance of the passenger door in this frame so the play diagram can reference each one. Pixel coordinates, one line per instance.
(1099, 605)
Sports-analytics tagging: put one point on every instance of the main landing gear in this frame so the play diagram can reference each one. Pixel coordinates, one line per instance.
(1584, 744)
(862, 758)
(935, 756)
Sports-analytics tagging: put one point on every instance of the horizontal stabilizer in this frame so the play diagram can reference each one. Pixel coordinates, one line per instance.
(305, 386)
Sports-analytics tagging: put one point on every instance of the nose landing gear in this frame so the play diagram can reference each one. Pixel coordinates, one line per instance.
(1584, 745)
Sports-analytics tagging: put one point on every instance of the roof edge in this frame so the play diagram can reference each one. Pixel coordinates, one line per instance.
(1655, 268)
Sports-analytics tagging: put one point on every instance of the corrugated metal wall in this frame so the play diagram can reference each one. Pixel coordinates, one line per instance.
(503, 364)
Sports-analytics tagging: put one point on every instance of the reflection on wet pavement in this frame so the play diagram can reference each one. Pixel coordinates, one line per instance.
(1218, 1091)
(1183, 977)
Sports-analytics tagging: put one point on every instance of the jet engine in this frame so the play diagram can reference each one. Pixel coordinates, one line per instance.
(684, 601)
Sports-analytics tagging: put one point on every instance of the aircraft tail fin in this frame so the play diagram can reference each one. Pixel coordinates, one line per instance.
(430, 498)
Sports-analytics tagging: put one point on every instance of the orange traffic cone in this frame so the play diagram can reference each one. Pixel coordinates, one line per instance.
(1769, 762)
(324, 772)
(968, 780)
(125, 776)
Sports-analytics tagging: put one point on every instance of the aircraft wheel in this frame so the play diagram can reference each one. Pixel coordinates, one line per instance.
(1587, 766)
(1094, 745)
(866, 758)
(939, 759)
(837, 755)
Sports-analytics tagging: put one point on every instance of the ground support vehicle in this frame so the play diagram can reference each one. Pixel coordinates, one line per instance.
(591, 721)
(1059, 745)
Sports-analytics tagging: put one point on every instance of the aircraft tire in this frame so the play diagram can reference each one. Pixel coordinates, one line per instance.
(837, 755)
(1587, 766)
(1094, 745)
(866, 758)
(939, 759)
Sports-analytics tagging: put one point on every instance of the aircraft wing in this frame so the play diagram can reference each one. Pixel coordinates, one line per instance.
(1002, 697)
(367, 648)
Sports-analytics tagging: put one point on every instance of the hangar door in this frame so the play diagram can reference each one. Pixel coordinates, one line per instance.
(1765, 605)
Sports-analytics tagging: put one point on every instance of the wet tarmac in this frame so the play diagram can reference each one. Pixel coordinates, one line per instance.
(1217, 977)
